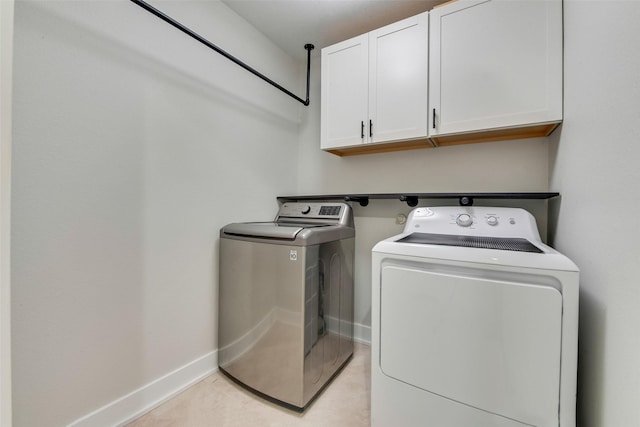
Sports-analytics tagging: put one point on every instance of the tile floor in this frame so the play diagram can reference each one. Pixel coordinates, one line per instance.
(217, 401)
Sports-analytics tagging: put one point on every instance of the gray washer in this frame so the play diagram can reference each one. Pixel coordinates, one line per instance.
(285, 324)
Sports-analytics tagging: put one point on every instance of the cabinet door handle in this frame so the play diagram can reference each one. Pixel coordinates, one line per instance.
(371, 128)
(434, 118)
(362, 130)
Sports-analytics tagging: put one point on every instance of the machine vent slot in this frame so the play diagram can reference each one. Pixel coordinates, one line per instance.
(501, 243)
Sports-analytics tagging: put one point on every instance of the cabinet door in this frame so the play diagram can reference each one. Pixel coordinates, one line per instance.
(495, 64)
(344, 116)
(398, 78)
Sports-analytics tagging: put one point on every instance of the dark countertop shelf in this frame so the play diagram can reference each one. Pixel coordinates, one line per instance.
(465, 199)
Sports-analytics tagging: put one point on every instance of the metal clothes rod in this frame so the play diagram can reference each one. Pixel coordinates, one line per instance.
(176, 24)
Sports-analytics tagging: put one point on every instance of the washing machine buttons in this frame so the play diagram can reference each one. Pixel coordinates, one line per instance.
(492, 221)
(464, 220)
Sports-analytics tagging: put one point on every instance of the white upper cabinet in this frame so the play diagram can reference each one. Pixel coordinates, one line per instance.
(495, 65)
(374, 87)
(467, 71)
(398, 78)
(344, 98)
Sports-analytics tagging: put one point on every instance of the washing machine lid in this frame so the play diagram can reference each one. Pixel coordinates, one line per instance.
(484, 242)
(269, 230)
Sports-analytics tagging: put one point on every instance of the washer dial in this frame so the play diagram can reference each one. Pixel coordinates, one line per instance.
(464, 220)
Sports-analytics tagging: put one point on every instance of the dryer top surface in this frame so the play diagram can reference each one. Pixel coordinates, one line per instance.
(487, 235)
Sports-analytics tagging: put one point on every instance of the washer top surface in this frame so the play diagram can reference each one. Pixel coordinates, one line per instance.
(273, 230)
(303, 223)
(487, 235)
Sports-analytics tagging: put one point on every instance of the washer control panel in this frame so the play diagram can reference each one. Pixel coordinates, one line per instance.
(473, 221)
(311, 210)
(330, 213)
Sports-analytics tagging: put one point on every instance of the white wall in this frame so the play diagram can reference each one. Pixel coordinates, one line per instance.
(594, 165)
(6, 84)
(133, 145)
(517, 166)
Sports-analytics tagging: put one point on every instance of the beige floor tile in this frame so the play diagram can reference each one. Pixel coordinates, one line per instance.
(217, 401)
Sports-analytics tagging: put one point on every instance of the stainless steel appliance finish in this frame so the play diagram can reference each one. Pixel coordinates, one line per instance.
(285, 324)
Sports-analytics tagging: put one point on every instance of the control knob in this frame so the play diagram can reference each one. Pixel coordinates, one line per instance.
(492, 220)
(464, 220)
(305, 210)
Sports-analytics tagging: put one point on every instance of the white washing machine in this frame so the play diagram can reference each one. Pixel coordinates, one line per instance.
(474, 323)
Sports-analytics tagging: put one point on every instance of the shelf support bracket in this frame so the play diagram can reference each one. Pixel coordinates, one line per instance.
(466, 201)
(412, 201)
(363, 200)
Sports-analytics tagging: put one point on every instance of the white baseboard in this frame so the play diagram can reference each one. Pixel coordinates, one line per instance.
(362, 333)
(138, 402)
(144, 399)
